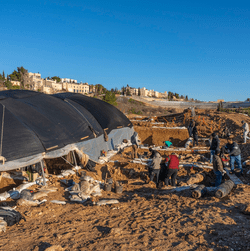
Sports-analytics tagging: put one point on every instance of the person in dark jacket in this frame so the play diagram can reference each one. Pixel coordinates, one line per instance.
(225, 133)
(195, 134)
(190, 128)
(172, 162)
(233, 150)
(215, 145)
(218, 168)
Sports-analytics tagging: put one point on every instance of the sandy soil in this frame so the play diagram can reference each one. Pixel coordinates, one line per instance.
(146, 218)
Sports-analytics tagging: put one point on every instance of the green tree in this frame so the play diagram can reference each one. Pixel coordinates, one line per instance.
(170, 95)
(128, 92)
(186, 98)
(110, 98)
(20, 75)
(56, 78)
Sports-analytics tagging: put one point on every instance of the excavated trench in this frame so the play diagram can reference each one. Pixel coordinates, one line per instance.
(156, 136)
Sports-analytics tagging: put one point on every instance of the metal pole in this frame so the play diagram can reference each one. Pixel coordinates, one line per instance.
(44, 181)
(75, 161)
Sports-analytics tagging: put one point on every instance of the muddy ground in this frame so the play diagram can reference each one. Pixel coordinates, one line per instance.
(146, 218)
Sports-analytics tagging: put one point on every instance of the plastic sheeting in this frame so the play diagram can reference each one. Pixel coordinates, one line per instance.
(91, 147)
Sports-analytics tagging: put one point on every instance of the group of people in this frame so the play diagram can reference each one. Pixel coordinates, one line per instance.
(231, 149)
(164, 172)
(169, 169)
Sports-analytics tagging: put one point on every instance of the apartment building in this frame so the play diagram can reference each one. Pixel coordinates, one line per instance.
(77, 87)
(68, 80)
(35, 81)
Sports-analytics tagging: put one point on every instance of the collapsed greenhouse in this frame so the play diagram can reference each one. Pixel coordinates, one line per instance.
(36, 126)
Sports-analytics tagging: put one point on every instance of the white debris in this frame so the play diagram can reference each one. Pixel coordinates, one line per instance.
(3, 225)
(58, 202)
(4, 196)
(107, 202)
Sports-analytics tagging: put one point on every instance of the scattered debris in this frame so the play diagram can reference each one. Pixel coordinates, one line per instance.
(106, 202)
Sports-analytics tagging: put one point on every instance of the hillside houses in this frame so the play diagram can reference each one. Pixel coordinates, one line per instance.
(145, 92)
(50, 86)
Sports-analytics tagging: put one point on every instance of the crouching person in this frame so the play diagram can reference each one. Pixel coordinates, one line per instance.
(218, 168)
(154, 168)
(172, 163)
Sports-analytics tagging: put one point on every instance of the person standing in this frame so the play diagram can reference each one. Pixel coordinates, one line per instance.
(195, 134)
(218, 168)
(135, 140)
(155, 166)
(172, 162)
(190, 129)
(245, 131)
(234, 152)
(215, 145)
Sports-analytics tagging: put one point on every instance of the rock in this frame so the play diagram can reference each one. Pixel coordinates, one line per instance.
(26, 195)
(55, 248)
(38, 195)
(197, 178)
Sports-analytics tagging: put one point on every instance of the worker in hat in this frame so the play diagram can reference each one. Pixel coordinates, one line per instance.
(245, 131)
(234, 152)
(215, 145)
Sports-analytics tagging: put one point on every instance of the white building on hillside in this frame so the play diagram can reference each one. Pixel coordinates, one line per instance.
(35, 81)
(77, 88)
(68, 80)
(14, 82)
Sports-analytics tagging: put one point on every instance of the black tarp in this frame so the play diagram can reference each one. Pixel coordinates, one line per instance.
(107, 115)
(35, 122)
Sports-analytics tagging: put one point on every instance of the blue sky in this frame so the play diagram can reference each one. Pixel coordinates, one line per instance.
(195, 48)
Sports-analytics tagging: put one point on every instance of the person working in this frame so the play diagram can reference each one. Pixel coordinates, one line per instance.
(218, 168)
(155, 166)
(245, 131)
(234, 152)
(135, 140)
(190, 128)
(195, 134)
(215, 145)
(172, 163)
